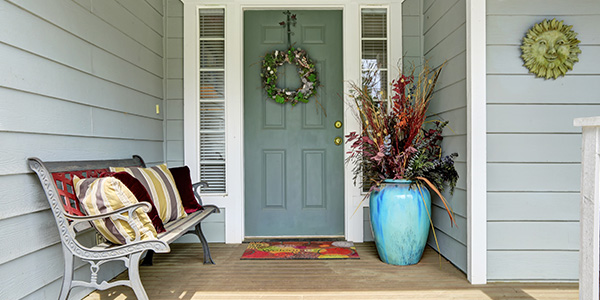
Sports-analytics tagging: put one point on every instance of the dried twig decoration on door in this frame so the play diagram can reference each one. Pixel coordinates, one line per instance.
(295, 56)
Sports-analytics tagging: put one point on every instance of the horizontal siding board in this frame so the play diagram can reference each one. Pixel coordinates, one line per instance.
(451, 249)
(529, 89)
(27, 234)
(510, 177)
(175, 68)
(533, 235)
(507, 60)
(87, 4)
(26, 280)
(442, 222)
(69, 50)
(411, 46)
(117, 16)
(545, 148)
(128, 75)
(26, 112)
(175, 130)
(57, 81)
(146, 13)
(453, 97)
(451, 21)
(532, 265)
(88, 27)
(455, 144)
(539, 7)
(453, 72)
(21, 194)
(457, 120)
(174, 47)
(174, 8)
(174, 88)
(437, 12)
(457, 201)
(157, 5)
(55, 44)
(174, 109)
(175, 27)
(107, 123)
(17, 147)
(411, 8)
(533, 206)
(410, 26)
(175, 150)
(450, 47)
(537, 118)
(510, 30)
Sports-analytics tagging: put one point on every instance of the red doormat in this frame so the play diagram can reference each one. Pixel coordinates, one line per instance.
(300, 250)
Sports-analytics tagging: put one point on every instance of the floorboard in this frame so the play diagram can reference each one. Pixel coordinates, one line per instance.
(181, 275)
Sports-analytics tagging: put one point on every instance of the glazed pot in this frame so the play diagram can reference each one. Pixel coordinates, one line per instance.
(400, 221)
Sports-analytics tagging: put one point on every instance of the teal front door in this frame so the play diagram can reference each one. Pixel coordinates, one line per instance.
(294, 172)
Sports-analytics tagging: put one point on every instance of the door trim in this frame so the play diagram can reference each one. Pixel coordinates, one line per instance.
(233, 200)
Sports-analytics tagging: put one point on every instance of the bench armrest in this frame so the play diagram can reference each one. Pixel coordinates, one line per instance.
(196, 186)
(117, 214)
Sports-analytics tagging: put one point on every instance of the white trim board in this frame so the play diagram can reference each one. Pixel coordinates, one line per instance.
(476, 143)
(233, 199)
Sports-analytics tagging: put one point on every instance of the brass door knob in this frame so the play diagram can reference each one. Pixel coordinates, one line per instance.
(338, 140)
(338, 124)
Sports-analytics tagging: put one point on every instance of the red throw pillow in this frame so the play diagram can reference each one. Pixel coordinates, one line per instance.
(183, 181)
(140, 192)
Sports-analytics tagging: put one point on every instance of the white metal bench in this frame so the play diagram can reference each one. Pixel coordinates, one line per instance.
(71, 222)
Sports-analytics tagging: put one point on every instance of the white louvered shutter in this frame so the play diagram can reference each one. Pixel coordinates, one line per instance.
(374, 54)
(212, 99)
(374, 48)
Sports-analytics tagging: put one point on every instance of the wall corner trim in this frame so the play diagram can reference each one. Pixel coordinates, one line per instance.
(476, 142)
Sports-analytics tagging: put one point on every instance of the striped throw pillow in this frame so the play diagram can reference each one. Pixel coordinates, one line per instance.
(103, 195)
(160, 184)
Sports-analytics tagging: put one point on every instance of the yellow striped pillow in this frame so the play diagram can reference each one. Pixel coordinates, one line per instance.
(160, 184)
(107, 194)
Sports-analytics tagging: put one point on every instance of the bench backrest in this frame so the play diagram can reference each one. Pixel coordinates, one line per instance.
(56, 178)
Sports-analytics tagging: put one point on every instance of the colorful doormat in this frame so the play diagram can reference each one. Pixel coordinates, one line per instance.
(300, 250)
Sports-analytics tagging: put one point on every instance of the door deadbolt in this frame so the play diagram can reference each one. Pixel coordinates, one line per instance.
(338, 124)
(338, 140)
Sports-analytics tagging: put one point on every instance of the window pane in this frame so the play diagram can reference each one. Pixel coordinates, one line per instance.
(212, 23)
(212, 85)
(374, 23)
(212, 54)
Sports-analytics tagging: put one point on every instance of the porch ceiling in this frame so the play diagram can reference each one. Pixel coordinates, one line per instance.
(181, 275)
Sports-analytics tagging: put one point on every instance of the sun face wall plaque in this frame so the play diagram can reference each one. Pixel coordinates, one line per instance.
(550, 49)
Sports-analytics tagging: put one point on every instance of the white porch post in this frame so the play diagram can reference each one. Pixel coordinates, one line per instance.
(476, 143)
(589, 260)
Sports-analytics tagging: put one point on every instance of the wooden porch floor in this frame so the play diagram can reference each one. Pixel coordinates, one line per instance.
(181, 275)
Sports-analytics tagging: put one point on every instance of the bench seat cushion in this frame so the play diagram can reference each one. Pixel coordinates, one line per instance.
(160, 184)
(107, 194)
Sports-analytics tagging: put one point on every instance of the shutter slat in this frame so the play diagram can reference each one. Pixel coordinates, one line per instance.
(212, 87)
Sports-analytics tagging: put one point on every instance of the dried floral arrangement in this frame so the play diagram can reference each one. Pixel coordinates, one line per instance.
(397, 140)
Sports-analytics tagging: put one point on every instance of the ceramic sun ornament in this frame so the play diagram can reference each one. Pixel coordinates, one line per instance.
(550, 49)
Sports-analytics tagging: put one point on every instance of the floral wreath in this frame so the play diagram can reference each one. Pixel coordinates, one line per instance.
(306, 70)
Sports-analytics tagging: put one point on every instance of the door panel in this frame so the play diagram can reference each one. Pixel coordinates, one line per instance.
(293, 170)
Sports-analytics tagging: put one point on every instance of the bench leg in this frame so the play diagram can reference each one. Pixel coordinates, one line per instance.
(67, 275)
(134, 276)
(148, 259)
(207, 257)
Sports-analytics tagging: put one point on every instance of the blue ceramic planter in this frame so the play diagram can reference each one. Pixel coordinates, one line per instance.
(400, 221)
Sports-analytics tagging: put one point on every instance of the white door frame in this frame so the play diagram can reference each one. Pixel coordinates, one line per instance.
(233, 200)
